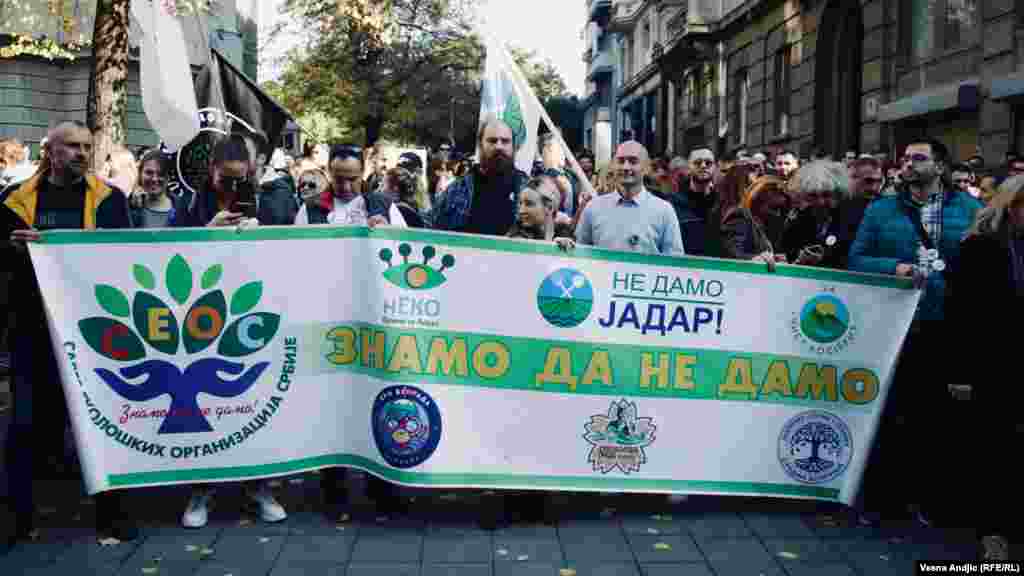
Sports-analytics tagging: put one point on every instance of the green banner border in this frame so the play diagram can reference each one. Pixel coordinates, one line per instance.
(273, 233)
(485, 481)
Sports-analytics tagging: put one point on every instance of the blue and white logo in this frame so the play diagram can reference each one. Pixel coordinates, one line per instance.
(565, 298)
(815, 447)
(406, 426)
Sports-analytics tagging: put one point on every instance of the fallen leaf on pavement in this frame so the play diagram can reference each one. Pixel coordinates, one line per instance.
(109, 542)
(788, 555)
(662, 546)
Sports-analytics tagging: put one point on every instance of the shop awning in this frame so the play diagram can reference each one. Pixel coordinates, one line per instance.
(1007, 87)
(963, 96)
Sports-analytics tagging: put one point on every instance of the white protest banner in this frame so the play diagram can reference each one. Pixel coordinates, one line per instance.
(436, 359)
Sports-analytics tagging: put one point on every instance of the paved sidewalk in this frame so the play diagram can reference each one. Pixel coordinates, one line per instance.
(597, 535)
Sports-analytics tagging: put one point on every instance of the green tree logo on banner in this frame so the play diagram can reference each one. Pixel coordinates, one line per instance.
(157, 328)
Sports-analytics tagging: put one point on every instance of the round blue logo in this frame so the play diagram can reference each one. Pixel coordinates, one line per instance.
(824, 319)
(565, 298)
(406, 426)
(815, 447)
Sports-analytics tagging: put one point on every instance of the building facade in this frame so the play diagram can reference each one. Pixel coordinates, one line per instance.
(821, 76)
(35, 92)
(600, 58)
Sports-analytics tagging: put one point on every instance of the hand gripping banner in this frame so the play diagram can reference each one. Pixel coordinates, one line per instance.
(447, 360)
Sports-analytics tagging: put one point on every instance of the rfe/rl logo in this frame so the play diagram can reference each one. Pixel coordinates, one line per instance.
(157, 326)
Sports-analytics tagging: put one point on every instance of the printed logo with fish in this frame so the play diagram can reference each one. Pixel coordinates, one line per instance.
(406, 425)
(418, 308)
(618, 438)
(173, 359)
(824, 325)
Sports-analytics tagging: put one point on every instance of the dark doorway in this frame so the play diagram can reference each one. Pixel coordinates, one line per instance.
(838, 69)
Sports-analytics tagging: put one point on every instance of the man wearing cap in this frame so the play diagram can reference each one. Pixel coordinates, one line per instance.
(277, 195)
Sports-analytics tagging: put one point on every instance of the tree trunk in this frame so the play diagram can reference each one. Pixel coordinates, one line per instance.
(373, 124)
(108, 79)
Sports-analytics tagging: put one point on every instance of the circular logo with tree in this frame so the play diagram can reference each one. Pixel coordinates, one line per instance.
(565, 298)
(815, 447)
(824, 319)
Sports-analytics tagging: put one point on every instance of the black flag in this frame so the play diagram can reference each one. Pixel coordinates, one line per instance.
(242, 98)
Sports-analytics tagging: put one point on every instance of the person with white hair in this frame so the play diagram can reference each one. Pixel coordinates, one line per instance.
(812, 230)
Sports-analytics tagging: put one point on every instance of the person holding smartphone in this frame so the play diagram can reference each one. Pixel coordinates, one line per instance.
(228, 197)
(812, 234)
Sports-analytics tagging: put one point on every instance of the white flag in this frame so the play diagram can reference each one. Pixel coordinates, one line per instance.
(508, 96)
(165, 77)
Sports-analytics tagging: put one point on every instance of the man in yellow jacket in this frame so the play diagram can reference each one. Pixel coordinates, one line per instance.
(60, 195)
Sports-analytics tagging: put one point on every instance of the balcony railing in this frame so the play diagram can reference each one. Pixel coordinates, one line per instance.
(625, 13)
(698, 16)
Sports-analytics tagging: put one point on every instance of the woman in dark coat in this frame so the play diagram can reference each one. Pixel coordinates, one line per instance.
(753, 230)
(985, 294)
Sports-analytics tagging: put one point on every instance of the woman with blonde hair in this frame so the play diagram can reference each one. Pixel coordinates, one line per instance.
(985, 291)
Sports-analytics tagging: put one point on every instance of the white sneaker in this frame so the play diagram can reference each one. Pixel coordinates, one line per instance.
(677, 498)
(196, 513)
(270, 509)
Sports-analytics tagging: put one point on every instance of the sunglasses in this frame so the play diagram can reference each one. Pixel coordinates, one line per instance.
(916, 158)
(345, 151)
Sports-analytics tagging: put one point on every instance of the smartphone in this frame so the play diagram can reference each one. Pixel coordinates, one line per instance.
(246, 199)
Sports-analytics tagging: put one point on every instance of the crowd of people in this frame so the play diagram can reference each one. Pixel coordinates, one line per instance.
(956, 229)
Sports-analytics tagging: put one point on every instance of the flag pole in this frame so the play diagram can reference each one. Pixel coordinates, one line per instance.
(547, 121)
(218, 91)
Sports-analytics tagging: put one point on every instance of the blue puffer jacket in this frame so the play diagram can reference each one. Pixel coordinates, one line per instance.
(888, 237)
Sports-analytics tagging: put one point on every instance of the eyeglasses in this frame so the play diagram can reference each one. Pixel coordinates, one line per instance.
(345, 151)
(915, 158)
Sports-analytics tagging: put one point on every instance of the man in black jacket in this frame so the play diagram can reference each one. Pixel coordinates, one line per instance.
(694, 204)
(61, 195)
